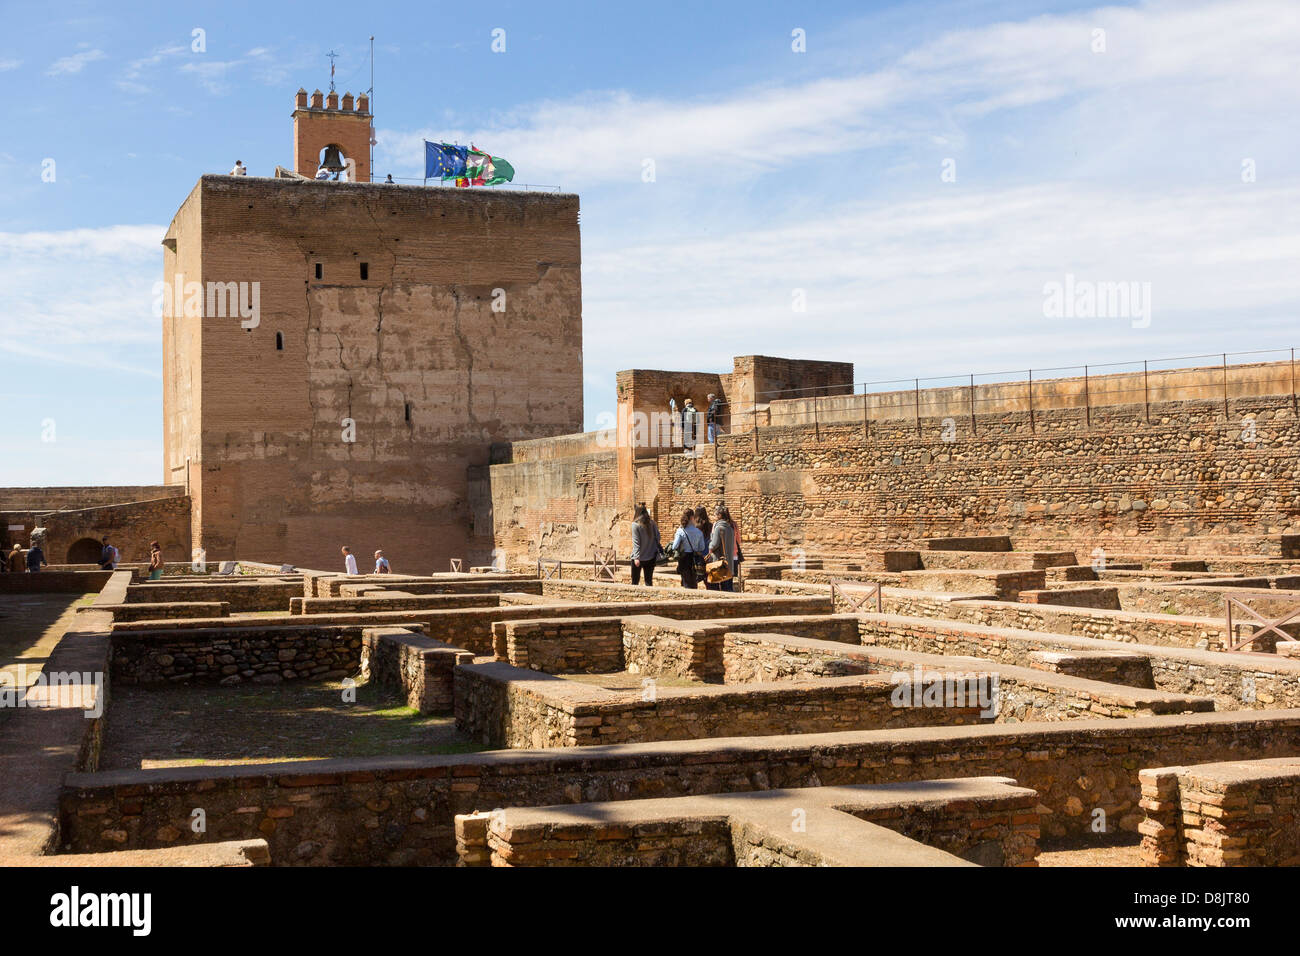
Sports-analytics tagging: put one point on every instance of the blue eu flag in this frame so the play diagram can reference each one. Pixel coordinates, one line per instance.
(442, 161)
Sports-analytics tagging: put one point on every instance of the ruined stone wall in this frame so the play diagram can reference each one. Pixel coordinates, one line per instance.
(399, 811)
(267, 654)
(1186, 480)
(413, 353)
(1222, 814)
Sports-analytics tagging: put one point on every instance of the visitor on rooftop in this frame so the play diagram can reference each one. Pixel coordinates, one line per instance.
(240, 169)
(713, 417)
(690, 423)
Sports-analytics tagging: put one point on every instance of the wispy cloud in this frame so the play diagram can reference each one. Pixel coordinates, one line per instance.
(1239, 49)
(82, 296)
(9, 65)
(75, 63)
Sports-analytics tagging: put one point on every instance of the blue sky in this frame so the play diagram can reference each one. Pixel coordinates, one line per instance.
(778, 175)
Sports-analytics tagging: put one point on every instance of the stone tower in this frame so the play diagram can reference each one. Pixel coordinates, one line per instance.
(327, 123)
(400, 332)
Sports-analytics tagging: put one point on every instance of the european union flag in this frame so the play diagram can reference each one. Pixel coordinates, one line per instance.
(442, 161)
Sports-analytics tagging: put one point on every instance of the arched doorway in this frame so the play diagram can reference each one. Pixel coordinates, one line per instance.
(85, 551)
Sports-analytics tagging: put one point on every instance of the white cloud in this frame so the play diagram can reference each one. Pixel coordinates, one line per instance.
(75, 63)
(1239, 50)
(82, 296)
(10, 65)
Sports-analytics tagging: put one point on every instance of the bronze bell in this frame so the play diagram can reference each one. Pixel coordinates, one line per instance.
(333, 160)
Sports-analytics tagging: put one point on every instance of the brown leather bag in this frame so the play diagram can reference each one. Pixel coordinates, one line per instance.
(718, 570)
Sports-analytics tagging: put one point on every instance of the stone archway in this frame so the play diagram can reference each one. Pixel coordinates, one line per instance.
(85, 551)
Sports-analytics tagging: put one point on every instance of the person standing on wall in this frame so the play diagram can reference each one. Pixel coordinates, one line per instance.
(645, 546)
(155, 561)
(349, 560)
(690, 546)
(690, 423)
(713, 417)
(722, 544)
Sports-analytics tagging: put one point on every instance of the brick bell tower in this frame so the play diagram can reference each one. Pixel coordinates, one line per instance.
(325, 123)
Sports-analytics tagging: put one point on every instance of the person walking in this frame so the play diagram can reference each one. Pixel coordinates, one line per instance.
(713, 417)
(35, 559)
(349, 560)
(16, 562)
(645, 546)
(381, 564)
(155, 561)
(108, 556)
(722, 544)
(690, 546)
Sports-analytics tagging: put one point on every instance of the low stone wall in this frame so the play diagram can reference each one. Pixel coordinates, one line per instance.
(939, 823)
(987, 542)
(663, 647)
(235, 655)
(399, 810)
(406, 664)
(1234, 681)
(1196, 599)
(1110, 667)
(240, 594)
(360, 585)
(390, 602)
(472, 628)
(166, 610)
(54, 582)
(585, 645)
(994, 560)
(593, 591)
(503, 706)
(1007, 585)
(1239, 813)
(1010, 694)
(1101, 598)
(1128, 626)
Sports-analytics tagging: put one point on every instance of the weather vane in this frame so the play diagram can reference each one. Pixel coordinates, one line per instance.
(331, 54)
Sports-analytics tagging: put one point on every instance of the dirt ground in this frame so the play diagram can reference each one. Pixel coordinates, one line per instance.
(1073, 853)
(206, 726)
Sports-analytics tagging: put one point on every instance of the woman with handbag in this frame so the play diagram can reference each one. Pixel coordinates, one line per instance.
(722, 551)
(689, 546)
(706, 529)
